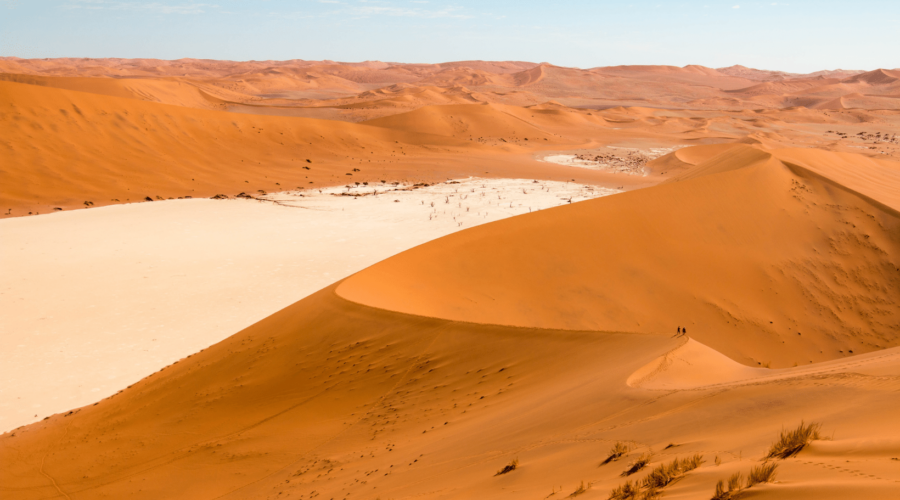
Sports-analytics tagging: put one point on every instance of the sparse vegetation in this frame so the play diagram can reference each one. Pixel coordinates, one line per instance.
(627, 491)
(734, 482)
(582, 488)
(726, 493)
(660, 477)
(759, 474)
(763, 473)
(664, 474)
(792, 442)
(616, 452)
(637, 465)
(509, 467)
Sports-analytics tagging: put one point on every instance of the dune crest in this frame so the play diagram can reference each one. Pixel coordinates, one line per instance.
(689, 366)
(731, 249)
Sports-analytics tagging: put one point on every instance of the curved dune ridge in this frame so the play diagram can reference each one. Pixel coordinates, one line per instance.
(749, 252)
(539, 338)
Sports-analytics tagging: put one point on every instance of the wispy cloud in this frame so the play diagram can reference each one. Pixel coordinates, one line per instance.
(150, 7)
(368, 10)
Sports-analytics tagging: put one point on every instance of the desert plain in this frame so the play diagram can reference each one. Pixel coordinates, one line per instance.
(312, 279)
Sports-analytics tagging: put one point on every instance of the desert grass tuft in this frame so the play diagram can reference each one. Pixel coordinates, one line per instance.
(727, 493)
(664, 474)
(650, 487)
(509, 467)
(637, 465)
(734, 482)
(582, 488)
(628, 491)
(721, 493)
(792, 442)
(616, 452)
(764, 473)
(651, 494)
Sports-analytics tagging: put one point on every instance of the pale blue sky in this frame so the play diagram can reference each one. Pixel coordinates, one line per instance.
(796, 35)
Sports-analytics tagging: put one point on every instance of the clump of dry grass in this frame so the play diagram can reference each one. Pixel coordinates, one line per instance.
(764, 473)
(509, 467)
(734, 482)
(791, 442)
(664, 474)
(581, 489)
(650, 487)
(637, 465)
(726, 493)
(760, 474)
(616, 452)
(627, 491)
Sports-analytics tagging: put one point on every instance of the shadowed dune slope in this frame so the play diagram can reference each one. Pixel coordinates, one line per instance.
(761, 261)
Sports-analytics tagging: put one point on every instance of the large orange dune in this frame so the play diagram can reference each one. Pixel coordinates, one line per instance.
(544, 338)
(743, 280)
(748, 251)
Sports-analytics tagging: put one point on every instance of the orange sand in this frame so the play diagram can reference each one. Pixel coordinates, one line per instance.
(546, 337)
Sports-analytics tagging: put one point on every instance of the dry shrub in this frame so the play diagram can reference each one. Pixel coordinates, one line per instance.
(764, 473)
(509, 467)
(616, 452)
(791, 442)
(627, 491)
(651, 494)
(663, 474)
(637, 465)
(736, 480)
(720, 493)
(692, 462)
(734, 487)
(581, 489)
(660, 477)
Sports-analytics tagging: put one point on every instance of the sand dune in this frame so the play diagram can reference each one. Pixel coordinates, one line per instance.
(771, 232)
(66, 149)
(420, 376)
(733, 249)
(293, 88)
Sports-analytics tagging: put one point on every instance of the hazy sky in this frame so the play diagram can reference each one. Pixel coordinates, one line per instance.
(797, 35)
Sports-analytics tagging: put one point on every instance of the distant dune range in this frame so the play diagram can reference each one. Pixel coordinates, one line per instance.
(84, 132)
(534, 343)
